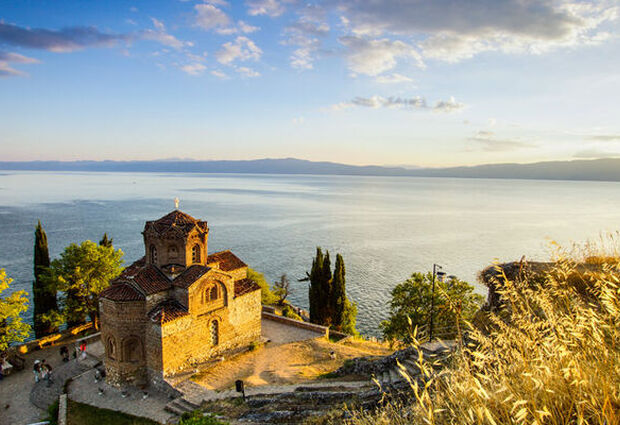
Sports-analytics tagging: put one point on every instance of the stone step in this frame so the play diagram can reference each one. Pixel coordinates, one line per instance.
(385, 378)
(188, 404)
(411, 367)
(173, 408)
(394, 375)
(280, 416)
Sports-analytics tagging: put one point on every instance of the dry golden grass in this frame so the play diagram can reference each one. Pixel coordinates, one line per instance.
(550, 356)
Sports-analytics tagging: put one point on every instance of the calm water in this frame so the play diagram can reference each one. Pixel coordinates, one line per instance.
(385, 227)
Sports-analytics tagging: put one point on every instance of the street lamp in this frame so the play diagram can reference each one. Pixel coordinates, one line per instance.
(439, 274)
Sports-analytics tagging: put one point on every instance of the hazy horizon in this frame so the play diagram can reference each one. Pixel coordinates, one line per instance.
(403, 166)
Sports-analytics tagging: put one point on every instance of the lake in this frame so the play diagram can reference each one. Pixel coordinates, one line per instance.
(385, 227)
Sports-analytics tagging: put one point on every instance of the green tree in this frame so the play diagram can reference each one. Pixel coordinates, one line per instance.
(266, 295)
(281, 288)
(454, 300)
(105, 241)
(343, 311)
(349, 318)
(12, 327)
(338, 297)
(325, 295)
(314, 290)
(44, 294)
(329, 305)
(82, 272)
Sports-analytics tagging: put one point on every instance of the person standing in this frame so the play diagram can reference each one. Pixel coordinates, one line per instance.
(46, 371)
(36, 369)
(64, 353)
(82, 350)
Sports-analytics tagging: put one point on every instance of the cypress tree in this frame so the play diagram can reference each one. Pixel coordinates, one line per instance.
(326, 292)
(44, 294)
(314, 292)
(105, 241)
(339, 294)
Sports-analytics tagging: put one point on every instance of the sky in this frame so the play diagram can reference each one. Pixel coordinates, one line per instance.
(427, 83)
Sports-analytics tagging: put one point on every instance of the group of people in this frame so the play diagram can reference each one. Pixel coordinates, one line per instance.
(43, 371)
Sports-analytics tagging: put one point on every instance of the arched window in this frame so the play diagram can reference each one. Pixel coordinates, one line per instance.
(210, 294)
(111, 347)
(213, 295)
(153, 254)
(215, 337)
(132, 349)
(172, 252)
(196, 254)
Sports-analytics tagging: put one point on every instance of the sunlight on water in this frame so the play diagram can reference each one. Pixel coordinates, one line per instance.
(386, 228)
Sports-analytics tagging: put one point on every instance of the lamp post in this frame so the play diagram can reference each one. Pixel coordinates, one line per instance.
(440, 274)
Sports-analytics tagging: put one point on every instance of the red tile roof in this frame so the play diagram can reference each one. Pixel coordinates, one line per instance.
(167, 311)
(178, 220)
(147, 277)
(245, 286)
(121, 292)
(190, 275)
(227, 261)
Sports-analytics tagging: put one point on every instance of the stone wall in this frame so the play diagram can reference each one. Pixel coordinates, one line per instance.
(173, 247)
(319, 329)
(186, 341)
(122, 334)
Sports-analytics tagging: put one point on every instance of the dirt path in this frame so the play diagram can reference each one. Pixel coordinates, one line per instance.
(286, 363)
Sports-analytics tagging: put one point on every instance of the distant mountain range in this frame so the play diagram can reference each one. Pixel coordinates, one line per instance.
(597, 169)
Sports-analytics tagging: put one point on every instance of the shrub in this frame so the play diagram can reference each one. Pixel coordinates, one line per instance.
(267, 295)
(52, 413)
(197, 417)
(550, 356)
(288, 311)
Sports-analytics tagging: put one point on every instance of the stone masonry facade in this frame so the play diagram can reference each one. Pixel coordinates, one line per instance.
(176, 306)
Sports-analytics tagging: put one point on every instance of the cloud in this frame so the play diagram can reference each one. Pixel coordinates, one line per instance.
(241, 27)
(450, 105)
(246, 28)
(242, 49)
(193, 68)
(305, 34)
(271, 8)
(210, 17)
(160, 35)
(247, 72)
(6, 58)
(16, 58)
(393, 79)
(396, 102)
(453, 30)
(71, 39)
(595, 153)
(61, 41)
(219, 74)
(487, 142)
(605, 137)
(373, 57)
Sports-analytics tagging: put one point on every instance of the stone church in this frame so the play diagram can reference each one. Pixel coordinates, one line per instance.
(176, 306)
